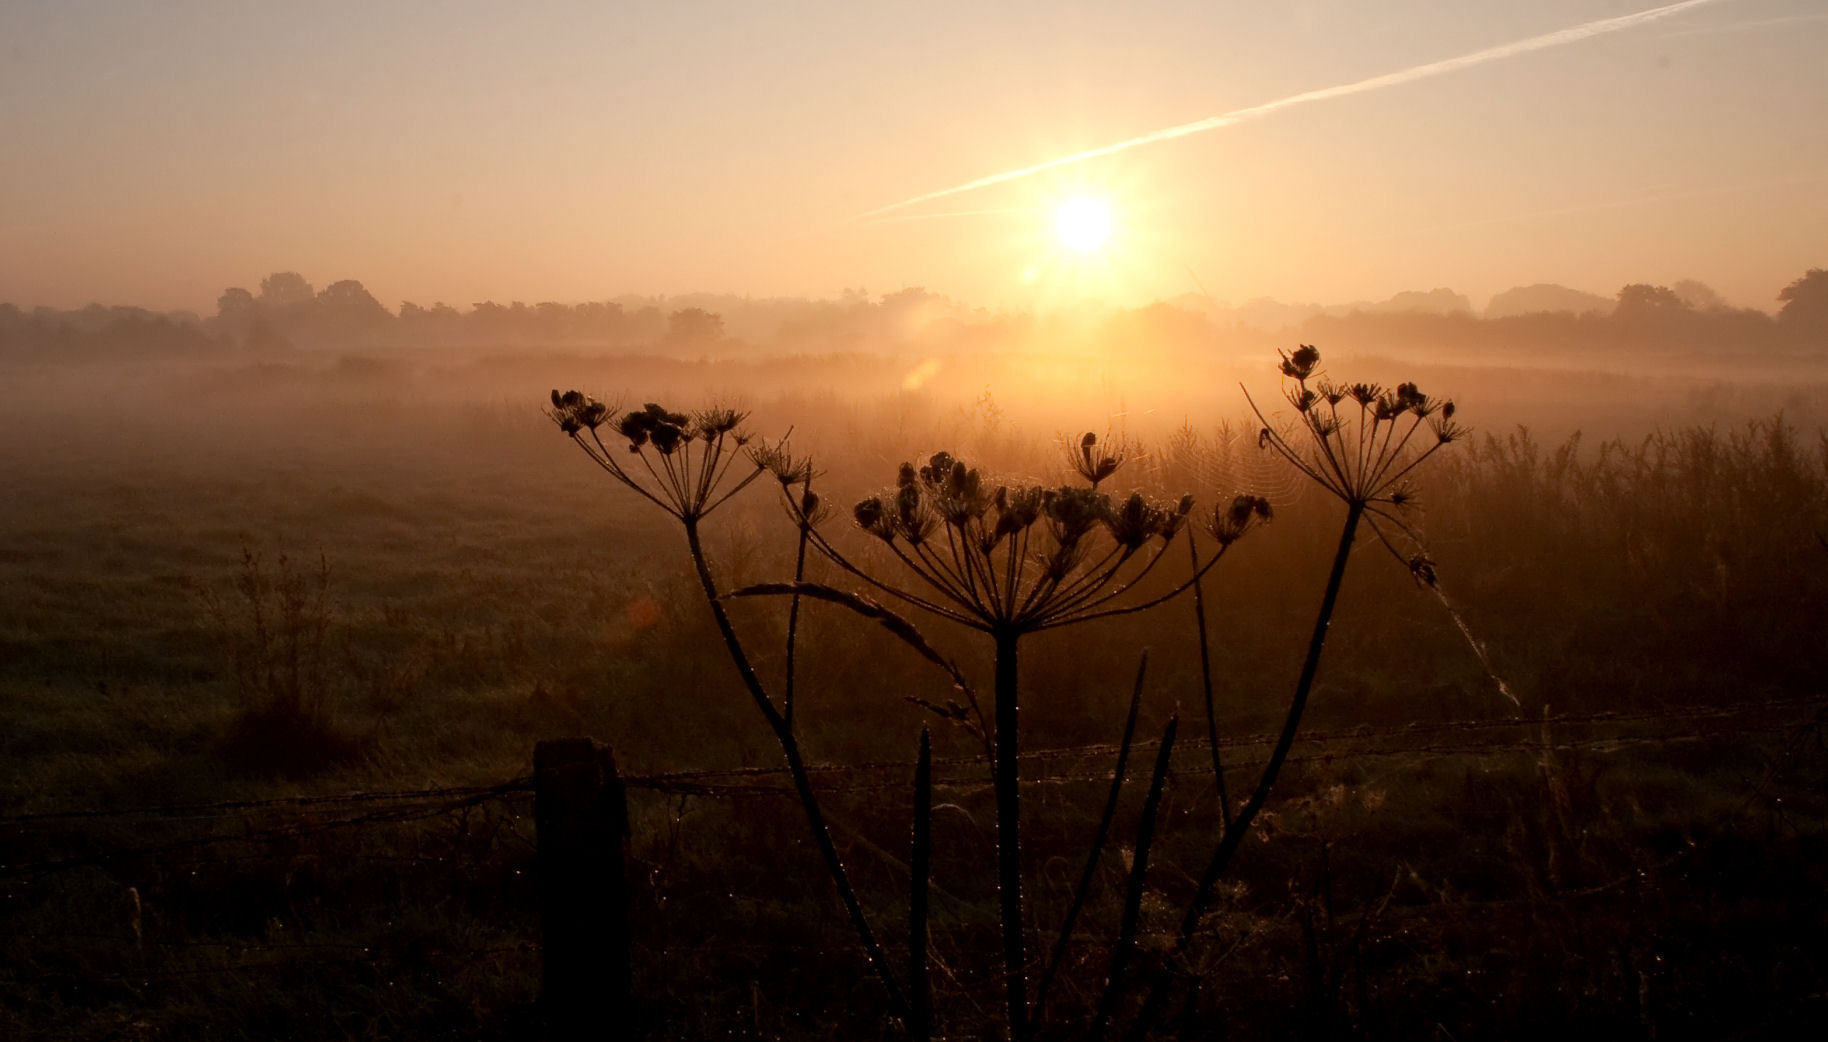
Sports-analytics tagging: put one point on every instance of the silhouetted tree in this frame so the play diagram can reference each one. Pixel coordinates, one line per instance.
(285, 289)
(1699, 295)
(236, 312)
(345, 310)
(1805, 309)
(1640, 299)
(694, 327)
(234, 303)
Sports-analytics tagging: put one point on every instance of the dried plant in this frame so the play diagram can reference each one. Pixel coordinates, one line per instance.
(689, 466)
(1009, 560)
(1095, 463)
(275, 635)
(1360, 443)
(1012, 559)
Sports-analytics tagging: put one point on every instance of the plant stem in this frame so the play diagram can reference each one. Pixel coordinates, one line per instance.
(920, 1018)
(1055, 961)
(796, 767)
(1228, 844)
(1212, 724)
(1009, 860)
(1133, 893)
(793, 624)
(1234, 836)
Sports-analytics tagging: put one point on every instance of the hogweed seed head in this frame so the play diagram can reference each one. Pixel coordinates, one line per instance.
(689, 472)
(710, 423)
(778, 459)
(1364, 457)
(812, 510)
(1301, 364)
(1137, 521)
(575, 411)
(869, 515)
(1230, 521)
(1073, 512)
(1018, 557)
(1092, 465)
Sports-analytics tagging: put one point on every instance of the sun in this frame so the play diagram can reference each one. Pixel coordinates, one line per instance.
(1083, 223)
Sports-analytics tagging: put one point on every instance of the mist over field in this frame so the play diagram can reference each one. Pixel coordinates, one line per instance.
(1631, 537)
(1021, 522)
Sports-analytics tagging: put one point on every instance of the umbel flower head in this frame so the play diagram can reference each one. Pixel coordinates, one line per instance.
(682, 463)
(1361, 442)
(1021, 557)
(1095, 462)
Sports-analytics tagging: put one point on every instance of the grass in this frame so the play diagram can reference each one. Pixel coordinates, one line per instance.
(485, 592)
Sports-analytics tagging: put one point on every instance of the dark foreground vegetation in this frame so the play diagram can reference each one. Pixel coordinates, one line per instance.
(1575, 787)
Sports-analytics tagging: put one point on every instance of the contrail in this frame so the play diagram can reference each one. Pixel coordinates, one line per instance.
(867, 219)
(1574, 34)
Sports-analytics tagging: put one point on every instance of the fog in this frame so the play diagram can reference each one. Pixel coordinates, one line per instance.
(332, 371)
(1594, 657)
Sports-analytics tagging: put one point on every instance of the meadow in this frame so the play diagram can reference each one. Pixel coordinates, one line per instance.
(1639, 554)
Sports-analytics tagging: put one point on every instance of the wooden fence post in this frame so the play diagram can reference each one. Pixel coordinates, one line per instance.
(581, 814)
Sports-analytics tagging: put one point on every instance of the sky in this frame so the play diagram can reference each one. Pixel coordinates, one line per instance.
(158, 152)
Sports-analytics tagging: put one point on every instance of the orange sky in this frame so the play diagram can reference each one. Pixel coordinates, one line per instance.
(565, 151)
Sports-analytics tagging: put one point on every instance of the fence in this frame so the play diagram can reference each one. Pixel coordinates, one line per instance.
(576, 909)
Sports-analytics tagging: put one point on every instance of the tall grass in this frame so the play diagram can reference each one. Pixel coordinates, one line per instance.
(275, 631)
(1568, 887)
(1010, 560)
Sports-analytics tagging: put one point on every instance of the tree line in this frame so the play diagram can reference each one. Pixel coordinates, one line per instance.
(288, 313)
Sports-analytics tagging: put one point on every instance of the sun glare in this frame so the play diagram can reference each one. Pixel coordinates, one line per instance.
(1083, 223)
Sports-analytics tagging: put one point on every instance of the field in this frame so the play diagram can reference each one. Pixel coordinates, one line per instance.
(1580, 789)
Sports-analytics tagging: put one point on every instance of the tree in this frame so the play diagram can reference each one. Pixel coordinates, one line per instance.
(234, 303)
(236, 311)
(285, 289)
(1641, 300)
(347, 309)
(1699, 295)
(1805, 301)
(694, 327)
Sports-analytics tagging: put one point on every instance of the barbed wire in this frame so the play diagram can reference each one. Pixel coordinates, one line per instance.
(346, 953)
(1080, 764)
(524, 783)
(704, 782)
(403, 811)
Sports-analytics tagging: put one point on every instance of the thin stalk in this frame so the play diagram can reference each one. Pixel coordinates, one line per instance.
(1133, 894)
(1096, 850)
(1234, 836)
(1009, 858)
(920, 996)
(1212, 724)
(1228, 845)
(793, 624)
(796, 766)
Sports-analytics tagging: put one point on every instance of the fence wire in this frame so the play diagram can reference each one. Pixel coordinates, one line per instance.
(309, 815)
(260, 825)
